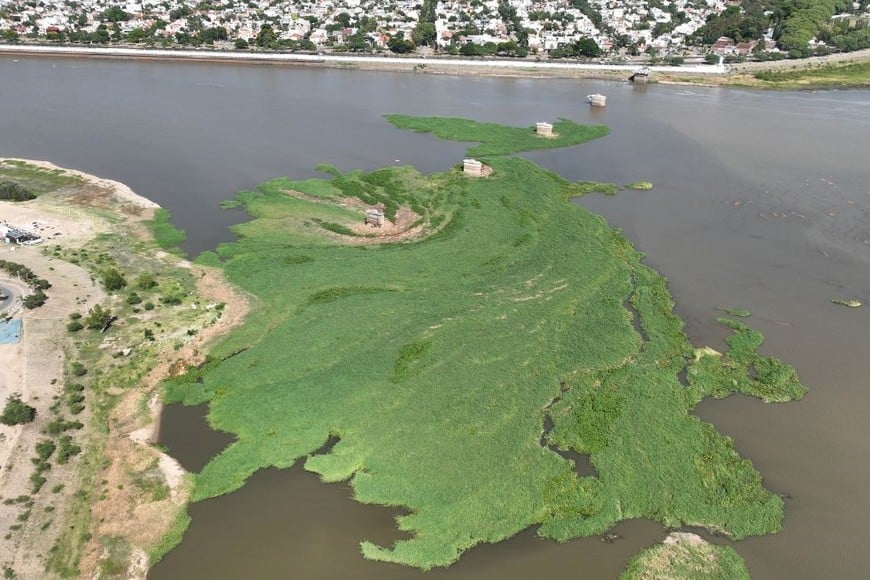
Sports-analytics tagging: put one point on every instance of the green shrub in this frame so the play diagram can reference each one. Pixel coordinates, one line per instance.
(98, 318)
(145, 282)
(14, 191)
(44, 449)
(112, 279)
(16, 411)
(66, 449)
(34, 300)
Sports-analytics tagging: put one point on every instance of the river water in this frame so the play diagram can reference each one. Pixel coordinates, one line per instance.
(761, 200)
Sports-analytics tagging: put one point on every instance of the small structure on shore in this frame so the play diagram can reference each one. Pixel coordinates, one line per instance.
(640, 76)
(596, 100)
(472, 167)
(544, 129)
(13, 235)
(375, 217)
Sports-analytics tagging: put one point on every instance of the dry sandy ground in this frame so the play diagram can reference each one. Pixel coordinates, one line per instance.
(30, 367)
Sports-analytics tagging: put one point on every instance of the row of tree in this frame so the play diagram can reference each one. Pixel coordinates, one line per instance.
(794, 22)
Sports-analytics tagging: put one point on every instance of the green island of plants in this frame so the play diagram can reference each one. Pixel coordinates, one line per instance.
(453, 366)
(686, 557)
(498, 139)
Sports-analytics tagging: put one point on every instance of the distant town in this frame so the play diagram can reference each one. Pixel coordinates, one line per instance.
(660, 30)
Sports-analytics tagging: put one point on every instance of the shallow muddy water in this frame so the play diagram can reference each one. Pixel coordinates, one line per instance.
(761, 201)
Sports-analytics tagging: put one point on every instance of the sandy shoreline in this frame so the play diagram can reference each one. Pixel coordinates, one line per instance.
(117, 188)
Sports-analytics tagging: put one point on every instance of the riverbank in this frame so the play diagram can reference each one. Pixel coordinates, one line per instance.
(802, 73)
(105, 502)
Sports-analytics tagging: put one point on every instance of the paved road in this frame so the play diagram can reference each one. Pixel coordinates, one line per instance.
(12, 290)
(341, 59)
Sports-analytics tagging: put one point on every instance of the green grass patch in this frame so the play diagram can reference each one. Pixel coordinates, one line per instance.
(37, 180)
(854, 75)
(640, 185)
(164, 233)
(170, 539)
(498, 139)
(738, 312)
(435, 363)
(584, 187)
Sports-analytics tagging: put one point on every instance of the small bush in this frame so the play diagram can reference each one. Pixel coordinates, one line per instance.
(58, 426)
(112, 279)
(145, 282)
(16, 411)
(148, 306)
(65, 450)
(98, 318)
(134, 298)
(34, 300)
(45, 448)
(78, 369)
(74, 326)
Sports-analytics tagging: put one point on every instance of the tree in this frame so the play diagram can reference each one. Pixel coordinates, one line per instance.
(114, 14)
(587, 47)
(113, 280)
(358, 43)
(241, 44)
(98, 318)
(266, 37)
(17, 412)
(424, 34)
(399, 45)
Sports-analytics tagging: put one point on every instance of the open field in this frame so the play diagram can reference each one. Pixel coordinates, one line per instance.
(450, 366)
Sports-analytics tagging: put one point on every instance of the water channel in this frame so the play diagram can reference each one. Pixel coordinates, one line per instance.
(761, 200)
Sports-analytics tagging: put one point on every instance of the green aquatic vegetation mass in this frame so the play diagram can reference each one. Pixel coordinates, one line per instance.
(165, 234)
(497, 139)
(686, 560)
(731, 311)
(436, 362)
(584, 187)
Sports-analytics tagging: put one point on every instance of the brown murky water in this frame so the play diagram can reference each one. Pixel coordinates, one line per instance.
(762, 201)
